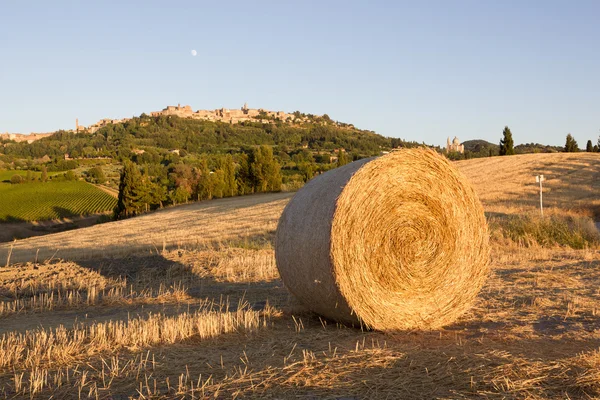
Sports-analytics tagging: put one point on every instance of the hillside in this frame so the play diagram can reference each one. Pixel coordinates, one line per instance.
(180, 159)
(480, 146)
(187, 301)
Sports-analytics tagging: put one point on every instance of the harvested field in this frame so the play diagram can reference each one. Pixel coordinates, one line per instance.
(201, 312)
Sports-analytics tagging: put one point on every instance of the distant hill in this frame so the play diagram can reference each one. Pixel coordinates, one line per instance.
(537, 148)
(480, 146)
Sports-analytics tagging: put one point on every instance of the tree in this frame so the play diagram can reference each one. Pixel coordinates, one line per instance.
(150, 194)
(595, 148)
(128, 203)
(44, 177)
(179, 195)
(96, 175)
(571, 144)
(230, 186)
(265, 170)
(589, 148)
(307, 170)
(70, 175)
(506, 143)
(342, 158)
(205, 186)
(243, 176)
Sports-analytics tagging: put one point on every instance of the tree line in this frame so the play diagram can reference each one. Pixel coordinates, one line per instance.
(571, 146)
(256, 171)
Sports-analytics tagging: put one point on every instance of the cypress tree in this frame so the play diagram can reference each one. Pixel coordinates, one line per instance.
(589, 148)
(571, 145)
(129, 201)
(506, 143)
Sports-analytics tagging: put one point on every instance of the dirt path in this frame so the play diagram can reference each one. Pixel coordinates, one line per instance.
(113, 192)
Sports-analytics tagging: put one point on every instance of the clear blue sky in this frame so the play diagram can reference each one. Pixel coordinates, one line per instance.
(417, 70)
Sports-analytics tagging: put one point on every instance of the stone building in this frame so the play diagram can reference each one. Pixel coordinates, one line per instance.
(19, 137)
(232, 116)
(454, 145)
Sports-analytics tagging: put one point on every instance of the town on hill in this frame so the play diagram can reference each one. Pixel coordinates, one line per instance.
(232, 116)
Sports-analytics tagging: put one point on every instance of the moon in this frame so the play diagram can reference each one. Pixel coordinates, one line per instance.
(194, 53)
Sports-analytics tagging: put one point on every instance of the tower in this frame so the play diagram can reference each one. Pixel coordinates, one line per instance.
(76, 125)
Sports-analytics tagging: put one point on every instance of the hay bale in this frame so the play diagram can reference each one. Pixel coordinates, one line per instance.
(395, 242)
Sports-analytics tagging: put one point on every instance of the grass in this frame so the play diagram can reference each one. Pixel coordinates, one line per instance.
(62, 346)
(5, 175)
(51, 200)
(532, 333)
(554, 230)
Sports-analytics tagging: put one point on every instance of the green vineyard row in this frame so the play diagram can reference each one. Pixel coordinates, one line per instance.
(51, 200)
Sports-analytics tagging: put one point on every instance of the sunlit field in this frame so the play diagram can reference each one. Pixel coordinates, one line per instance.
(187, 303)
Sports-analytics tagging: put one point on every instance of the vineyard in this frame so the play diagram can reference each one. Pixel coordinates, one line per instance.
(51, 200)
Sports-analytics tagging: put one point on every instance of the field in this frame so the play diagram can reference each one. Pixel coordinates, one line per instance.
(39, 201)
(187, 303)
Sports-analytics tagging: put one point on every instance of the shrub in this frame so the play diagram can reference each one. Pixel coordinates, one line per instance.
(70, 176)
(555, 230)
(16, 179)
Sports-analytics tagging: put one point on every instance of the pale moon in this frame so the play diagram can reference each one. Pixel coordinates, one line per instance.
(194, 53)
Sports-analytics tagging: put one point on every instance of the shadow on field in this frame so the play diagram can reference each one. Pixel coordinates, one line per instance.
(153, 270)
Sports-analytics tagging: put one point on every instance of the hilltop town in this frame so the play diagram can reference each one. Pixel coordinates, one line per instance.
(20, 137)
(232, 116)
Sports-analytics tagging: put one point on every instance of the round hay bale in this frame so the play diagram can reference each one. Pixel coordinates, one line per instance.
(393, 243)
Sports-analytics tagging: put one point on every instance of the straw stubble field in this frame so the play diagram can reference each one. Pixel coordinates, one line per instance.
(187, 303)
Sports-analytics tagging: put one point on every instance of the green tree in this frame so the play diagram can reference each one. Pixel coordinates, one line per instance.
(307, 169)
(205, 186)
(70, 175)
(150, 194)
(507, 143)
(595, 148)
(342, 158)
(265, 170)
(128, 203)
(589, 148)
(230, 186)
(44, 177)
(571, 144)
(243, 176)
(179, 195)
(96, 175)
